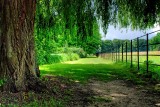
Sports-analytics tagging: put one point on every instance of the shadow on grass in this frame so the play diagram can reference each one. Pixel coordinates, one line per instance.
(84, 72)
(91, 57)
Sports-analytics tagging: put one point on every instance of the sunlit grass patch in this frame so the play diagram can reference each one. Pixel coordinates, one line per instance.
(88, 68)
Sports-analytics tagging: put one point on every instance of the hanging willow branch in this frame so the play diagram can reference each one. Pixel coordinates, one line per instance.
(81, 14)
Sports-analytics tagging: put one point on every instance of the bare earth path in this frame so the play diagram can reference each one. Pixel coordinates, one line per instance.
(119, 93)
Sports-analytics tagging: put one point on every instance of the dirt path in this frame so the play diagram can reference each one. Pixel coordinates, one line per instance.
(118, 93)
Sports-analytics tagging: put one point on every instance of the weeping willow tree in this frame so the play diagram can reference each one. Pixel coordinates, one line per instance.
(77, 17)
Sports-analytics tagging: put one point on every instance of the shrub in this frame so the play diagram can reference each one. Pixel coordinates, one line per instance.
(40, 57)
(61, 55)
(57, 58)
(69, 50)
(73, 56)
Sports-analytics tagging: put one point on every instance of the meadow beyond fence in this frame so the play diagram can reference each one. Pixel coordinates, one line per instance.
(139, 52)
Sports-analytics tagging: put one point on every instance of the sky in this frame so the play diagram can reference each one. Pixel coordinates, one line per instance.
(123, 33)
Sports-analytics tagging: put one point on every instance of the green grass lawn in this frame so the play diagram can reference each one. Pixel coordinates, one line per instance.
(61, 80)
(93, 60)
(88, 68)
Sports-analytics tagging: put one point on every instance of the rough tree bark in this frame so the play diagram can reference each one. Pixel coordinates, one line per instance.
(17, 56)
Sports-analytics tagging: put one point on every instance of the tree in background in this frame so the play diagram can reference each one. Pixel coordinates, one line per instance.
(107, 46)
(155, 40)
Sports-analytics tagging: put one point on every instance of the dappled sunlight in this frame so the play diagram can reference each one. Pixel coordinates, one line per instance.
(53, 53)
(104, 80)
(76, 81)
(158, 104)
(82, 72)
(118, 95)
(90, 61)
(78, 69)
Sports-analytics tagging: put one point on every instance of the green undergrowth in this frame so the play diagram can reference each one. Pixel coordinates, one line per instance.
(51, 102)
(58, 58)
(36, 103)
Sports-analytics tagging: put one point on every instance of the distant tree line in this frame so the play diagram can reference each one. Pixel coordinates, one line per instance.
(112, 45)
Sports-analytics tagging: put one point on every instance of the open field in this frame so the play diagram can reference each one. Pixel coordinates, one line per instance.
(142, 56)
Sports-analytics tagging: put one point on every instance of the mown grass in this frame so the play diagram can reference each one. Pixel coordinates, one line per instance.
(89, 68)
(80, 71)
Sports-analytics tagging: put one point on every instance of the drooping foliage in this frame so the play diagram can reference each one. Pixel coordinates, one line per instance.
(138, 13)
(73, 23)
(82, 13)
(65, 23)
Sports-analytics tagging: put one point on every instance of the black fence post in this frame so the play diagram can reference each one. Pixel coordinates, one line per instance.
(126, 52)
(138, 52)
(116, 54)
(147, 54)
(112, 53)
(131, 54)
(122, 52)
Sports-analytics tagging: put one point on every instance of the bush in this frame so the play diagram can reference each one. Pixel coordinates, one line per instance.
(57, 58)
(40, 57)
(70, 50)
(73, 56)
(79, 51)
(61, 55)
(54, 58)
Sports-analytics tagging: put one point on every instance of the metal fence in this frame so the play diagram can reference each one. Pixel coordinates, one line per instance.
(137, 52)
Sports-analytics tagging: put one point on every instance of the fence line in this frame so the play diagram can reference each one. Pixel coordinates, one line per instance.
(122, 53)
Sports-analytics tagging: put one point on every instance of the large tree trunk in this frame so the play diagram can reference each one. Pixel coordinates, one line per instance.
(17, 56)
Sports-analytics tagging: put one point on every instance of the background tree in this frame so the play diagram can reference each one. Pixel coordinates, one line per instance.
(155, 40)
(106, 46)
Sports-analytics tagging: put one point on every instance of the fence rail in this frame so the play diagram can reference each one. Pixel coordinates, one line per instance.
(127, 52)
